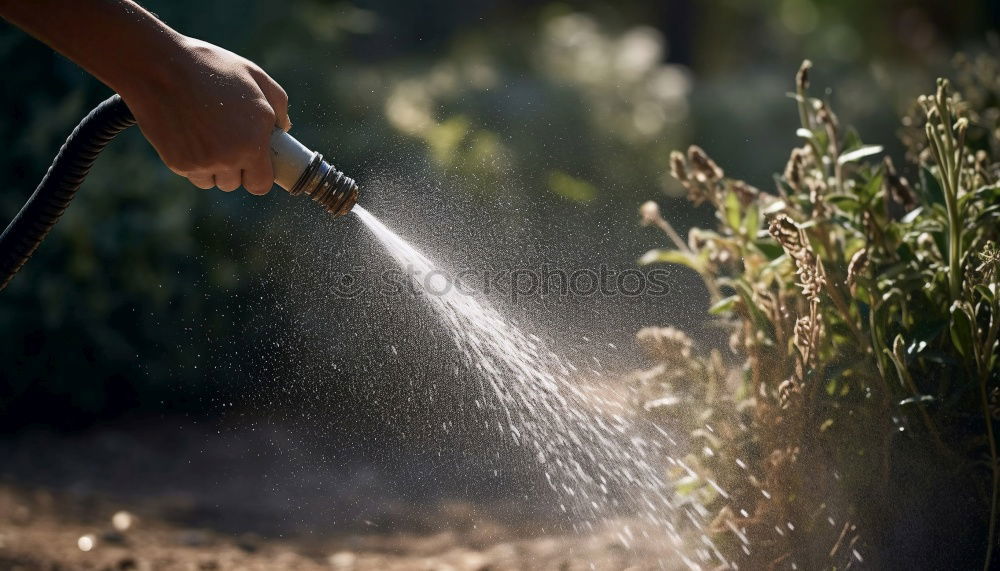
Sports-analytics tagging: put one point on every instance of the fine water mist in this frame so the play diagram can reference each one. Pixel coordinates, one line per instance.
(605, 464)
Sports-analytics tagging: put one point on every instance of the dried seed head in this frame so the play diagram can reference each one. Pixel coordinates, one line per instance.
(802, 77)
(802, 334)
(817, 192)
(678, 166)
(722, 521)
(786, 232)
(697, 239)
(811, 277)
(811, 280)
(649, 213)
(858, 264)
(737, 342)
(989, 263)
(746, 193)
(666, 344)
(826, 116)
(805, 338)
(718, 254)
(788, 392)
(705, 169)
(795, 169)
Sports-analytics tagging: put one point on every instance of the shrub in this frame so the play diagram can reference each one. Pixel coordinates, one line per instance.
(864, 317)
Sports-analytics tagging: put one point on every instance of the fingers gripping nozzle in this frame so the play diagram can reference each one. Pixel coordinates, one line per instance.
(301, 171)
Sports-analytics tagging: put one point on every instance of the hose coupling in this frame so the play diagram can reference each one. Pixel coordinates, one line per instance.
(301, 171)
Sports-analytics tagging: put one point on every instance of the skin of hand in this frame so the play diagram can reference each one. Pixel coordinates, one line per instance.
(208, 112)
(212, 121)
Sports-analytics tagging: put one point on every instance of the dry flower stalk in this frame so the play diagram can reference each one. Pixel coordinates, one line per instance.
(788, 234)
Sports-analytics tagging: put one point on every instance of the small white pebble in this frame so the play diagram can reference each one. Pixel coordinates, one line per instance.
(86, 542)
(122, 521)
(342, 560)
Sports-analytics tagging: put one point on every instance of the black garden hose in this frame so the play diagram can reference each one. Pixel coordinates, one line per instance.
(67, 172)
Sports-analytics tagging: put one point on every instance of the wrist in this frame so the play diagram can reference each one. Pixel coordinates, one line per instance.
(152, 69)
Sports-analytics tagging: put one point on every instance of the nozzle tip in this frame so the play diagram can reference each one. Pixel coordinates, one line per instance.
(350, 200)
(336, 192)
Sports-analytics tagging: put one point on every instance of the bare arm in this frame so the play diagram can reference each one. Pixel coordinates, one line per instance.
(208, 112)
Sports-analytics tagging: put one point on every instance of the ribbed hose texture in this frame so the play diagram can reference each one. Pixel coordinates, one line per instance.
(67, 172)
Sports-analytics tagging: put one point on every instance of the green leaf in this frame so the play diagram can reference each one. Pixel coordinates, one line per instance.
(988, 194)
(859, 153)
(926, 332)
(665, 256)
(846, 202)
(724, 305)
(731, 206)
(852, 139)
(687, 485)
(751, 220)
(912, 215)
(962, 329)
(919, 399)
(929, 187)
(777, 262)
(895, 354)
(986, 292)
(988, 212)
(769, 248)
(871, 189)
(774, 207)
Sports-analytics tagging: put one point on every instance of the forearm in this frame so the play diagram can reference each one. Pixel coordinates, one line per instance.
(117, 41)
(208, 112)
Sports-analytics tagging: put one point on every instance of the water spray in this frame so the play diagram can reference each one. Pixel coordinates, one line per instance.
(296, 169)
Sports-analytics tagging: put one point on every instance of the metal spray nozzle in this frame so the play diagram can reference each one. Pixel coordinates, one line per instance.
(299, 170)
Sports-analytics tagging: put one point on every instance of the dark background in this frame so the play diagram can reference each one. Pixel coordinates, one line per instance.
(493, 135)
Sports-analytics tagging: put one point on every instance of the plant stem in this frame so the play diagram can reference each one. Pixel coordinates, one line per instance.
(941, 150)
(984, 359)
(949, 164)
(954, 245)
(988, 418)
(668, 229)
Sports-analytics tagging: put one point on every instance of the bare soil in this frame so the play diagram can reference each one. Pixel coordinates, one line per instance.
(196, 499)
(42, 530)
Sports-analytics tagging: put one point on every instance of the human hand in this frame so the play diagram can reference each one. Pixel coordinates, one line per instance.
(209, 113)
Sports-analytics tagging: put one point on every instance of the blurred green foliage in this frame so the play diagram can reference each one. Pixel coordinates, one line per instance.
(570, 108)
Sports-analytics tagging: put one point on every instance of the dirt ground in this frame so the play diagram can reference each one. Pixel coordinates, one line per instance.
(41, 530)
(187, 497)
